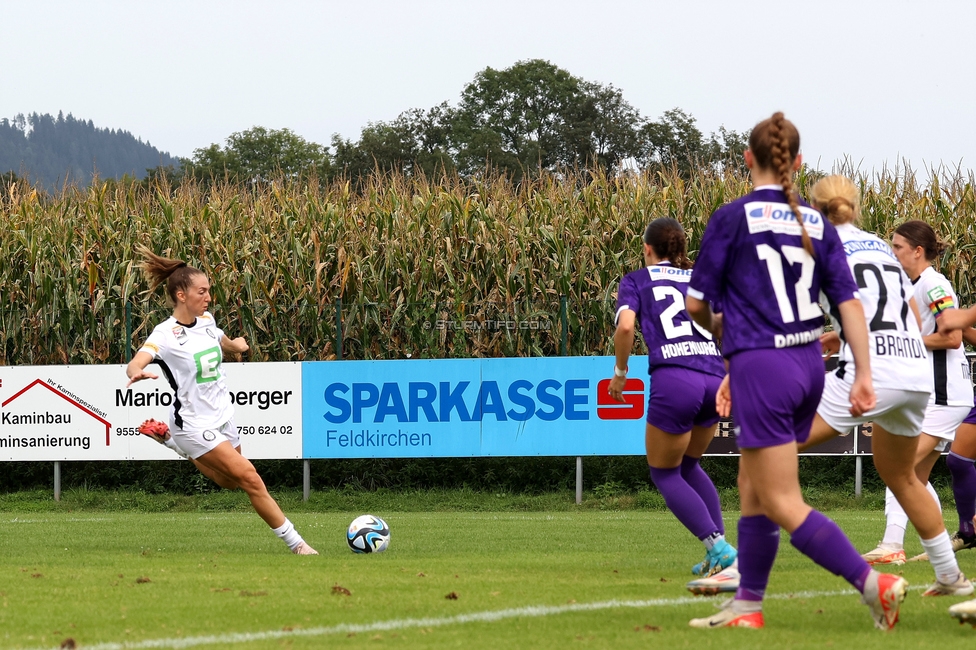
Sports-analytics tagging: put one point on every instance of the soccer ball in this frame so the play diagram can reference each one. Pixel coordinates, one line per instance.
(368, 534)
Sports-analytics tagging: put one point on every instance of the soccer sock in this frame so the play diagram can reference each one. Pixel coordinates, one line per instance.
(695, 476)
(288, 534)
(821, 540)
(683, 501)
(169, 442)
(942, 557)
(964, 490)
(758, 544)
(894, 535)
(712, 540)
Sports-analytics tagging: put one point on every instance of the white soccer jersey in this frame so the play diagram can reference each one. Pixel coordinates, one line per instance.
(190, 358)
(898, 356)
(949, 369)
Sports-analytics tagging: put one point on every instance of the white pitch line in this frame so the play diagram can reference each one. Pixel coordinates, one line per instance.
(406, 623)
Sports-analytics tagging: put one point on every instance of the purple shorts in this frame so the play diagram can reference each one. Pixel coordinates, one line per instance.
(775, 394)
(681, 398)
(971, 418)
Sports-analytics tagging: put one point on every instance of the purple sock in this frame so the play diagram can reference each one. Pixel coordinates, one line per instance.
(683, 501)
(964, 490)
(696, 477)
(758, 544)
(825, 543)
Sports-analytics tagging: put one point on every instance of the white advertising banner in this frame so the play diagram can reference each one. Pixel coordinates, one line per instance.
(87, 413)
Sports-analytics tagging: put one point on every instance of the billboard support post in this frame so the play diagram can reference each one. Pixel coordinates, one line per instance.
(579, 480)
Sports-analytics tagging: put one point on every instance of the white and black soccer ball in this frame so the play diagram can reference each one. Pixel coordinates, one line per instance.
(368, 534)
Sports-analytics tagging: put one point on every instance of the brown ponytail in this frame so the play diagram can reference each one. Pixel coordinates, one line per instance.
(667, 239)
(775, 144)
(177, 275)
(919, 233)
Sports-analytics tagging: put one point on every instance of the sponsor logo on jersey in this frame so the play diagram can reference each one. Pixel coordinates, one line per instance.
(669, 273)
(766, 216)
(180, 333)
(208, 365)
(857, 246)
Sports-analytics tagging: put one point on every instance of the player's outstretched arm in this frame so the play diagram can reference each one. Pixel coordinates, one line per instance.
(233, 346)
(957, 319)
(136, 370)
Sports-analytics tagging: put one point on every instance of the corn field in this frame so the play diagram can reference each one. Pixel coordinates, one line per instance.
(411, 266)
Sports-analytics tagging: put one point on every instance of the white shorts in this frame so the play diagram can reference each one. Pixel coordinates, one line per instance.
(899, 412)
(942, 421)
(197, 443)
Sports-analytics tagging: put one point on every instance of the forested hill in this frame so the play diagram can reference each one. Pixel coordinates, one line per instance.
(50, 150)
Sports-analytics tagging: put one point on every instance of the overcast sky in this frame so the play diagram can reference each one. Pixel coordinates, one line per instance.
(876, 81)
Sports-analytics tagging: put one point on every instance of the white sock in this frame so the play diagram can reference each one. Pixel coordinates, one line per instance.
(870, 593)
(746, 606)
(935, 495)
(288, 534)
(169, 442)
(942, 558)
(712, 540)
(894, 536)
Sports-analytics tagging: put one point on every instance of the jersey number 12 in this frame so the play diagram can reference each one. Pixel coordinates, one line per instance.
(805, 306)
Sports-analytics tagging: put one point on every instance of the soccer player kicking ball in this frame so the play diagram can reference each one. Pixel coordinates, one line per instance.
(686, 369)
(188, 347)
(765, 258)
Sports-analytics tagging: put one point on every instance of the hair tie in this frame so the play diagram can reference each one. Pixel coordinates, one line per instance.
(181, 265)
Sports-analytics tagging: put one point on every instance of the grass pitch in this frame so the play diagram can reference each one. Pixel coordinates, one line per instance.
(586, 579)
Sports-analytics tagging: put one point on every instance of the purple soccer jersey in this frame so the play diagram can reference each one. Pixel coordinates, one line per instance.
(752, 261)
(656, 294)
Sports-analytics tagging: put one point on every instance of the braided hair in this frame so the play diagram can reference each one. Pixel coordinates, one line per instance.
(775, 144)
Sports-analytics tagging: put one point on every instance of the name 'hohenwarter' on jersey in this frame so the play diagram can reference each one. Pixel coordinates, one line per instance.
(688, 348)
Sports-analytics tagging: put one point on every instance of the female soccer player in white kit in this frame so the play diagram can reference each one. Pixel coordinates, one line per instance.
(899, 372)
(188, 347)
(960, 461)
(916, 246)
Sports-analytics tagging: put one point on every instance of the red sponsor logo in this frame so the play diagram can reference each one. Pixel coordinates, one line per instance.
(632, 408)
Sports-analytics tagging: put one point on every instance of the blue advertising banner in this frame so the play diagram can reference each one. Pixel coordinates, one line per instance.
(557, 406)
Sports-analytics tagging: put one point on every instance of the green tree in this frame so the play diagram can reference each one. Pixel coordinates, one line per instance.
(260, 154)
(415, 142)
(535, 115)
(675, 140)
